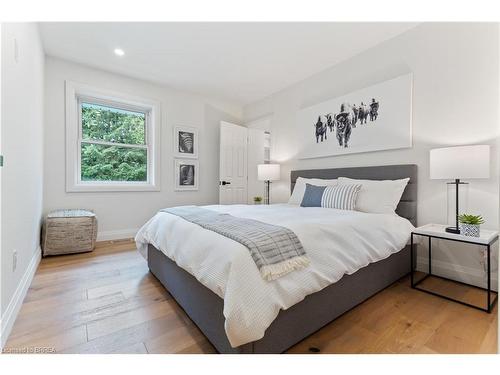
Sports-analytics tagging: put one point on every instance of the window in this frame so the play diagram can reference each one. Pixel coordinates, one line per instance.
(111, 141)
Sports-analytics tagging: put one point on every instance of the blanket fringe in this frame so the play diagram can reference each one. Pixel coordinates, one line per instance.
(271, 272)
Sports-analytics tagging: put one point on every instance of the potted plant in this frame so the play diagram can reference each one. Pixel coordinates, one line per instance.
(470, 225)
(257, 200)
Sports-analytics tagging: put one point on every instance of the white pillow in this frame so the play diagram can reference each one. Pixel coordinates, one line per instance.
(300, 188)
(378, 197)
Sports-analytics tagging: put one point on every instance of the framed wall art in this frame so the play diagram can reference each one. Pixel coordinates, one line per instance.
(375, 118)
(185, 142)
(186, 174)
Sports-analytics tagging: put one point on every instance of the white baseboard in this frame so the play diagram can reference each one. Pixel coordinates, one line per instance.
(10, 315)
(469, 275)
(117, 234)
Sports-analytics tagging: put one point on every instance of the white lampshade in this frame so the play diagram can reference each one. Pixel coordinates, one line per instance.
(268, 172)
(460, 162)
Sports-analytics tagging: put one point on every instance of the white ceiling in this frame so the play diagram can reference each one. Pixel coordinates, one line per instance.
(242, 62)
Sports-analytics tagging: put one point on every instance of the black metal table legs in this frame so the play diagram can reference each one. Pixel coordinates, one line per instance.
(490, 303)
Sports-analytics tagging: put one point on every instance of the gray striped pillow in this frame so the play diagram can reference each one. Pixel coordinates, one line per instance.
(342, 197)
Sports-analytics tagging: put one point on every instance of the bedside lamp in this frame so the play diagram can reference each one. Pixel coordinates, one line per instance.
(456, 163)
(268, 173)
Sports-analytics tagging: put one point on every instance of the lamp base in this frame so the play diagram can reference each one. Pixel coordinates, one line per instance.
(452, 230)
(267, 197)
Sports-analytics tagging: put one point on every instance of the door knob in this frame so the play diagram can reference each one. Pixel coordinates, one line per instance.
(225, 183)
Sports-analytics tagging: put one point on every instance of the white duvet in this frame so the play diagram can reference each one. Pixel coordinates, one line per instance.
(337, 242)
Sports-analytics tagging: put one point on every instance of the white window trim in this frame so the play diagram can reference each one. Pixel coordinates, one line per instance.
(75, 92)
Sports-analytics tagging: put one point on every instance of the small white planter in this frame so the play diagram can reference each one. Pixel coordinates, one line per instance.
(470, 230)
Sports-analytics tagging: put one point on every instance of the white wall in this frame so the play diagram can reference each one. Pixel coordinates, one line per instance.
(22, 174)
(121, 214)
(455, 98)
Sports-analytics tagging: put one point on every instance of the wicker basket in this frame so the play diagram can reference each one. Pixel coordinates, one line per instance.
(68, 232)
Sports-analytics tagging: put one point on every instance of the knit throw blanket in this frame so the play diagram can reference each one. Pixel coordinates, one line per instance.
(275, 250)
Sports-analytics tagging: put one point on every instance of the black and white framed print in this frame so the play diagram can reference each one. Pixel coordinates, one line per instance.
(186, 174)
(185, 142)
(374, 118)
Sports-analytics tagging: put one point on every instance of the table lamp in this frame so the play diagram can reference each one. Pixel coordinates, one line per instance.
(456, 163)
(268, 173)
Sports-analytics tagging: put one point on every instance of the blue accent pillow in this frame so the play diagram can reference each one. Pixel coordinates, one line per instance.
(312, 196)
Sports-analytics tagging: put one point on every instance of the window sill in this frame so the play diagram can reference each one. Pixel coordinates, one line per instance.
(111, 187)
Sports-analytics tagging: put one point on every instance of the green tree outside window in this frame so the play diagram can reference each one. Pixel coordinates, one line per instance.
(104, 162)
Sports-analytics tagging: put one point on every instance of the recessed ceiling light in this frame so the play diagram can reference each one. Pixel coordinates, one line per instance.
(119, 52)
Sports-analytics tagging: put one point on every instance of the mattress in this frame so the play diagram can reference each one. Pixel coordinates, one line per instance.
(337, 242)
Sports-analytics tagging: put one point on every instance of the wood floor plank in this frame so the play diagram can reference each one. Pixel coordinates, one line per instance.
(117, 322)
(46, 319)
(138, 333)
(39, 305)
(106, 301)
(404, 336)
(423, 308)
(463, 331)
(113, 276)
(490, 341)
(175, 341)
(127, 287)
(57, 339)
(87, 312)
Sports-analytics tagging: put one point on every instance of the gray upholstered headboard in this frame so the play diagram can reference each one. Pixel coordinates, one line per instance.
(407, 207)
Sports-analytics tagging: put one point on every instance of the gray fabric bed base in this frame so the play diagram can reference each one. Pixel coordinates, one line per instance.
(205, 308)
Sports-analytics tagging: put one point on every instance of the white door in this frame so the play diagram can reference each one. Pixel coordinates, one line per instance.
(233, 172)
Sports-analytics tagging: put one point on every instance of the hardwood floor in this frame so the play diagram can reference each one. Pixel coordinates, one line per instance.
(107, 302)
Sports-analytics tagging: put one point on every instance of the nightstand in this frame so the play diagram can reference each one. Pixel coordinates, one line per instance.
(487, 239)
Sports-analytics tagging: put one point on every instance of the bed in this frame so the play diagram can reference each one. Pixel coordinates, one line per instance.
(295, 320)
